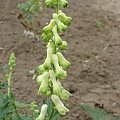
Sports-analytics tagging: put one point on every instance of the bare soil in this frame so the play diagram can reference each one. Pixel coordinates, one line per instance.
(94, 51)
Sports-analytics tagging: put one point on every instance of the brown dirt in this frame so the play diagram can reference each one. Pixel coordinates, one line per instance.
(94, 76)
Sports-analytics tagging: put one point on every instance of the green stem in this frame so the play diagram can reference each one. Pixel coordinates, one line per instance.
(57, 7)
(0, 86)
(57, 11)
(50, 118)
(9, 82)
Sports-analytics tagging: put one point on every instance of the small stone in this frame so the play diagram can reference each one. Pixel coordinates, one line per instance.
(61, 34)
(12, 12)
(1, 48)
(1, 22)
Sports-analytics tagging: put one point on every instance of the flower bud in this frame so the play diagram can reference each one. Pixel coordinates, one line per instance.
(44, 85)
(48, 93)
(64, 45)
(57, 38)
(61, 26)
(61, 74)
(59, 105)
(56, 87)
(64, 19)
(47, 63)
(63, 3)
(48, 3)
(65, 94)
(62, 61)
(40, 69)
(47, 29)
(47, 37)
(43, 112)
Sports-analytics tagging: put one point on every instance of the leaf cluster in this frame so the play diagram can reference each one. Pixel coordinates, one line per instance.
(29, 9)
(9, 108)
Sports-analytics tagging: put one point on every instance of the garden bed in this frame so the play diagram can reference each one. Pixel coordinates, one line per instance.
(94, 51)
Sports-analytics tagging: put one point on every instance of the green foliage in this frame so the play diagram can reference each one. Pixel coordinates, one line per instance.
(23, 117)
(9, 107)
(29, 9)
(3, 85)
(97, 113)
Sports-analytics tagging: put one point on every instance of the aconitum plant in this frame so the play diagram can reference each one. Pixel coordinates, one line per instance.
(50, 73)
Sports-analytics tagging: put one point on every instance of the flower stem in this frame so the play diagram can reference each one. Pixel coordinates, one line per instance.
(9, 82)
(50, 118)
(57, 7)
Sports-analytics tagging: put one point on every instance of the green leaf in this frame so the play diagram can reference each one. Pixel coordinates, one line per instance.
(23, 117)
(29, 9)
(97, 113)
(20, 105)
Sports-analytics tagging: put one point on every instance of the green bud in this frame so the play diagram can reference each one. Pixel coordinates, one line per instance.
(48, 61)
(61, 26)
(64, 45)
(63, 3)
(48, 3)
(56, 87)
(44, 85)
(47, 37)
(64, 19)
(34, 107)
(40, 69)
(49, 92)
(62, 61)
(47, 29)
(57, 38)
(65, 94)
(43, 112)
(59, 105)
(61, 74)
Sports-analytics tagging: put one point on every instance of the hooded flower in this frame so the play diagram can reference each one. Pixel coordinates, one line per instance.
(47, 63)
(45, 84)
(61, 74)
(47, 29)
(65, 94)
(62, 61)
(43, 112)
(62, 27)
(57, 38)
(56, 88)
(65, 19)
(59, 105)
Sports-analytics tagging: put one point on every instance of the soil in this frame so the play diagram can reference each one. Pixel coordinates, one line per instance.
(94, 51)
